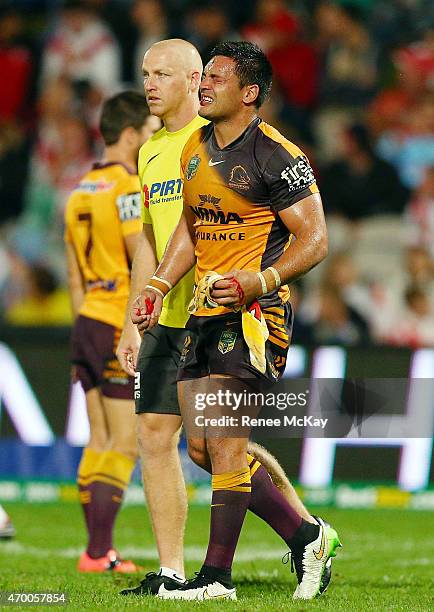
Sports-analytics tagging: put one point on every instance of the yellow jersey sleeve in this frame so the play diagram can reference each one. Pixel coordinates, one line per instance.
(146, 217)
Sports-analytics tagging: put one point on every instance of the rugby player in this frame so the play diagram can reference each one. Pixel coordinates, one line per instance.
(246, 191)
(172, 71)
(103, 223)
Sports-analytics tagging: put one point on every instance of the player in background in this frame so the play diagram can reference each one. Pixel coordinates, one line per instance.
(246, 191)
(103, 225)
(172, 71)
(7, 530)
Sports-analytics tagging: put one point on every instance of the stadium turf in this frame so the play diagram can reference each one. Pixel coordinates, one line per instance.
(387, 562)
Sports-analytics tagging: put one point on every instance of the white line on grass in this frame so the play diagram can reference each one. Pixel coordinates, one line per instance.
(194, 553)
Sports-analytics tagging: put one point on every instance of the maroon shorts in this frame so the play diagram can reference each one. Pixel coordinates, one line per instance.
(93, 355)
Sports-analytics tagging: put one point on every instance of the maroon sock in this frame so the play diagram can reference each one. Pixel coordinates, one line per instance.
(230, 500)
(85, 497)
(268, 502)
(106, 501)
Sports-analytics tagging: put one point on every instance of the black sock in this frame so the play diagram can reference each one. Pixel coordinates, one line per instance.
(306, 533)
(224, 576)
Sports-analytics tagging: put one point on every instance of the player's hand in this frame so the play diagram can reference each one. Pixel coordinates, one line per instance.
(146, 310)
(128, 349)
(238, 287)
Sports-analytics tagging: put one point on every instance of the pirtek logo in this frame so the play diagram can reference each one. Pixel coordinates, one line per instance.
(216, 216)
(166, 188)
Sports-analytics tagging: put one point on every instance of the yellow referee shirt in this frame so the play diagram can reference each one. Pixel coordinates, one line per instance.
(160, 178)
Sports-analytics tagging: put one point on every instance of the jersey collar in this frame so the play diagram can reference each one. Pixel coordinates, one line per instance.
(100, 166)
(241, 138)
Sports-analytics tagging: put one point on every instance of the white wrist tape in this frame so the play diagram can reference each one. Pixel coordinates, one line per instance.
(263, 282)
(156, 290)
(163, 280)
(276, 275)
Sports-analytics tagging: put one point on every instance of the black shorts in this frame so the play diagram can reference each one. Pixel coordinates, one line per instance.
(157, 367)
(93, 355)
(216, 345)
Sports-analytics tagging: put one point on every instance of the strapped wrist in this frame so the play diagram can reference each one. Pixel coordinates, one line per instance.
(162, 280)
(159, 285)
(276, 276)
(263, 282)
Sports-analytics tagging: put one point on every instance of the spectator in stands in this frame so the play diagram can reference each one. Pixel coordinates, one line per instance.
(394, 23)
(411, 147)
(151, 21)
(419, 266)
(62, 155)
(295, 64)
(55, 170)
(348, 72)
(420, 214)
(414, 327)
(207, 25)
(360, 184)
(45, 303)
(83, 49)
(302, 330)
(349, 56)
(414, 78)
(15, 67)
(338, 323)
(114, 14)
(340, 285)
(14, 157)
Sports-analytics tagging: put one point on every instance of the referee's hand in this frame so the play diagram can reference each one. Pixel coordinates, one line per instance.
(128, 349)
(146, 310)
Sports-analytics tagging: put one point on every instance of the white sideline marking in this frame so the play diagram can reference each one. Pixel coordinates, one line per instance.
(192, 553)
(197, 553)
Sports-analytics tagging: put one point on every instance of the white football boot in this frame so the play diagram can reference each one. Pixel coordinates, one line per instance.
(200, 588)
(310, 562)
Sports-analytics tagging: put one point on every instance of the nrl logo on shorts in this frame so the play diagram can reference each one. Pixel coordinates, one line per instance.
(227, 342)
(186, 348)
(192, 167)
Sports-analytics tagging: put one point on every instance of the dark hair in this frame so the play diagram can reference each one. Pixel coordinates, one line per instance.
(362, 138)
(251, 66)
(45, 282)
(127, 109)
(413, 292)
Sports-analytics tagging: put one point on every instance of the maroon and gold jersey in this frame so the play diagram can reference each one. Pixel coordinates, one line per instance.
(102, 210)
(235, 195)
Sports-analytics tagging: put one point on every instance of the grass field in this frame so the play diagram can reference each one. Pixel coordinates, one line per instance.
(387, 562)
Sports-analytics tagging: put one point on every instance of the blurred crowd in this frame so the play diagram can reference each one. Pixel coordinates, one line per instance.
(353, 86)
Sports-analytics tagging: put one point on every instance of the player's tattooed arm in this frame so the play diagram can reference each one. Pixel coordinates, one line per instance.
(75, 279)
